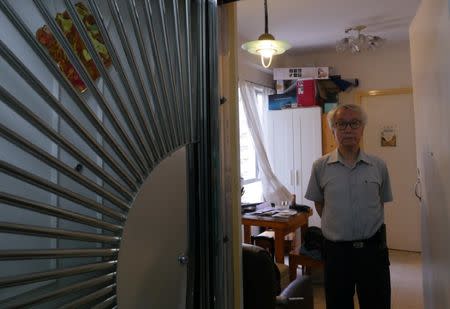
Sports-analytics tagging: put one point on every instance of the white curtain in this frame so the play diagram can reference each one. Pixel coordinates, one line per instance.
(273, 189)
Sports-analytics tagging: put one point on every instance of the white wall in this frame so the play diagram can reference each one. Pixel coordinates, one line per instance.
(430, 62)
(387, 67)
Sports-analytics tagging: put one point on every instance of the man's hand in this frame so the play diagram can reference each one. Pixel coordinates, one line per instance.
(319, 208)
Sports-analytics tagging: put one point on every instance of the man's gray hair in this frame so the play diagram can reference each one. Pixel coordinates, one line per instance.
(354, 107)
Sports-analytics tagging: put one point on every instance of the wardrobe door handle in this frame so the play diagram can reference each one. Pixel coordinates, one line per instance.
(418, 189)
(296, 178)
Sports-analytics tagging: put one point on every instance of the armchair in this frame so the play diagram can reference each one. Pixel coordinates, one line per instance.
(261, 283)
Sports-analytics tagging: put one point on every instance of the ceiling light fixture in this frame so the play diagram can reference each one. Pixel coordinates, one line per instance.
(266, 46)
(358, 41)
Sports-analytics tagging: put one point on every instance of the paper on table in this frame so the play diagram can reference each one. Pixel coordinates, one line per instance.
(285, 213)
(264, 211)
(263, 205)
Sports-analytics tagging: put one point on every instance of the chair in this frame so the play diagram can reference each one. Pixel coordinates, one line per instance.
(311, 240)
(261, 283)
(266, 240)
(307, 263)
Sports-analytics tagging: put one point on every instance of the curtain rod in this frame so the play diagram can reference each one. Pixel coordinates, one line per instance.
(258, 84)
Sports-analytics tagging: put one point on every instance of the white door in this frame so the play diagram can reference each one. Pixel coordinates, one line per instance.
(394, 115)
(307, 140)
(430, 67)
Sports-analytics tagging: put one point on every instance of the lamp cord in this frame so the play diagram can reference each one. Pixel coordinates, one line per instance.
(266, 17)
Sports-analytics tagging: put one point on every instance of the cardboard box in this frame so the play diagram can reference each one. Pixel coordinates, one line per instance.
(283, 101)
(301, 73)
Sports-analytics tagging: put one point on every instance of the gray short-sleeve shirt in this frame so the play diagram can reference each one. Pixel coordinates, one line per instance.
(352, 196)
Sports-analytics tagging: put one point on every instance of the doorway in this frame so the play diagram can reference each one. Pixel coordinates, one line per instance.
(390, 134)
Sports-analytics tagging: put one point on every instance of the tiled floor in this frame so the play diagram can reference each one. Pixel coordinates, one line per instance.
(406, 282)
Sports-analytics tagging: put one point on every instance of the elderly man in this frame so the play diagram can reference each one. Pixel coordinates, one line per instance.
(349, 189)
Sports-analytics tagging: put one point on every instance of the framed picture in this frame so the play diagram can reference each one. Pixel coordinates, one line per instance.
(389, 136)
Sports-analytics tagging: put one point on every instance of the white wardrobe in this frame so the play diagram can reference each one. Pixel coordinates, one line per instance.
(294, 142)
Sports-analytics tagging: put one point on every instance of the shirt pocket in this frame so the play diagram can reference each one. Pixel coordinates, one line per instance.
(371, 187)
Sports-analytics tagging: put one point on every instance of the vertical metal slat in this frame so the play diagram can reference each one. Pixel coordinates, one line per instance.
(49, 186)
(88, 299)
(46, 209)
(146, 122)
(15, 255)
(25, 229)
(55, 274)
(130, 121)
(162, 102)
(24, 112)
(107, 303)
(61, 292)
(52, 66)
(138, 163)
(173, 78)
(45, 157)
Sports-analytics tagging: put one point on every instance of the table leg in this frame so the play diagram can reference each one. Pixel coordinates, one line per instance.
(247, 236)
(279, 246)
(303, 229)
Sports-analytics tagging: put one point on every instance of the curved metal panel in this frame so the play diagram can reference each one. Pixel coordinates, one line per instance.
(94, 176)
(149, 273)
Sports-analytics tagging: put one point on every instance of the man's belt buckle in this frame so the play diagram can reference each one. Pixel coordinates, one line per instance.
(358, 244)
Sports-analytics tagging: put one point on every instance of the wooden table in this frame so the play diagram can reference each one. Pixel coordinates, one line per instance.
(281, 227)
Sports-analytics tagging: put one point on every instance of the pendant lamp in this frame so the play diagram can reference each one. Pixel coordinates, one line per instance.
(266, 46)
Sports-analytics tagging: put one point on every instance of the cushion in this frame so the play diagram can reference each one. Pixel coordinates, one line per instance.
(284, 275)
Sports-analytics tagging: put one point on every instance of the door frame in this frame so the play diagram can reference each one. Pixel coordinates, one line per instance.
(380, 92)
(392, 91)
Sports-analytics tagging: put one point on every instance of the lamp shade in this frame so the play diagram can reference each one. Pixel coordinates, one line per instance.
(266, 48)
(258, 47)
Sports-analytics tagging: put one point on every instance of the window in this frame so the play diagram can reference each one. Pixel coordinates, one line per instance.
(250, 176)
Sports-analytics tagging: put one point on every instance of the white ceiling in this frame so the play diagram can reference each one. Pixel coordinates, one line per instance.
(317, 24)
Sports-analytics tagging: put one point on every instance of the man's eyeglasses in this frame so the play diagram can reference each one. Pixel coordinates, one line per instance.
(342, 125)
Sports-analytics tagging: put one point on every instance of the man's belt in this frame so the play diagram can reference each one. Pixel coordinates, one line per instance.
(377, 240)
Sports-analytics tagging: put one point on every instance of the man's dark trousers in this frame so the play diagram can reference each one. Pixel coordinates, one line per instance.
(361, 265)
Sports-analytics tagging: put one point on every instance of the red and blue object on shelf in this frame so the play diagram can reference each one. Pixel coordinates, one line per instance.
(306, 92)
(283, 101)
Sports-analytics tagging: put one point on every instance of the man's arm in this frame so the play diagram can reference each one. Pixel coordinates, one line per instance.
(319, 208)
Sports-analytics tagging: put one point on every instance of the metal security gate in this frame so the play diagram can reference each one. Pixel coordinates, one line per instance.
(93, 96)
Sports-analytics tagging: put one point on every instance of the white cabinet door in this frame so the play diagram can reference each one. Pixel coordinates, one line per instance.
(294, 142)
(307, 136)
(280, 146)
